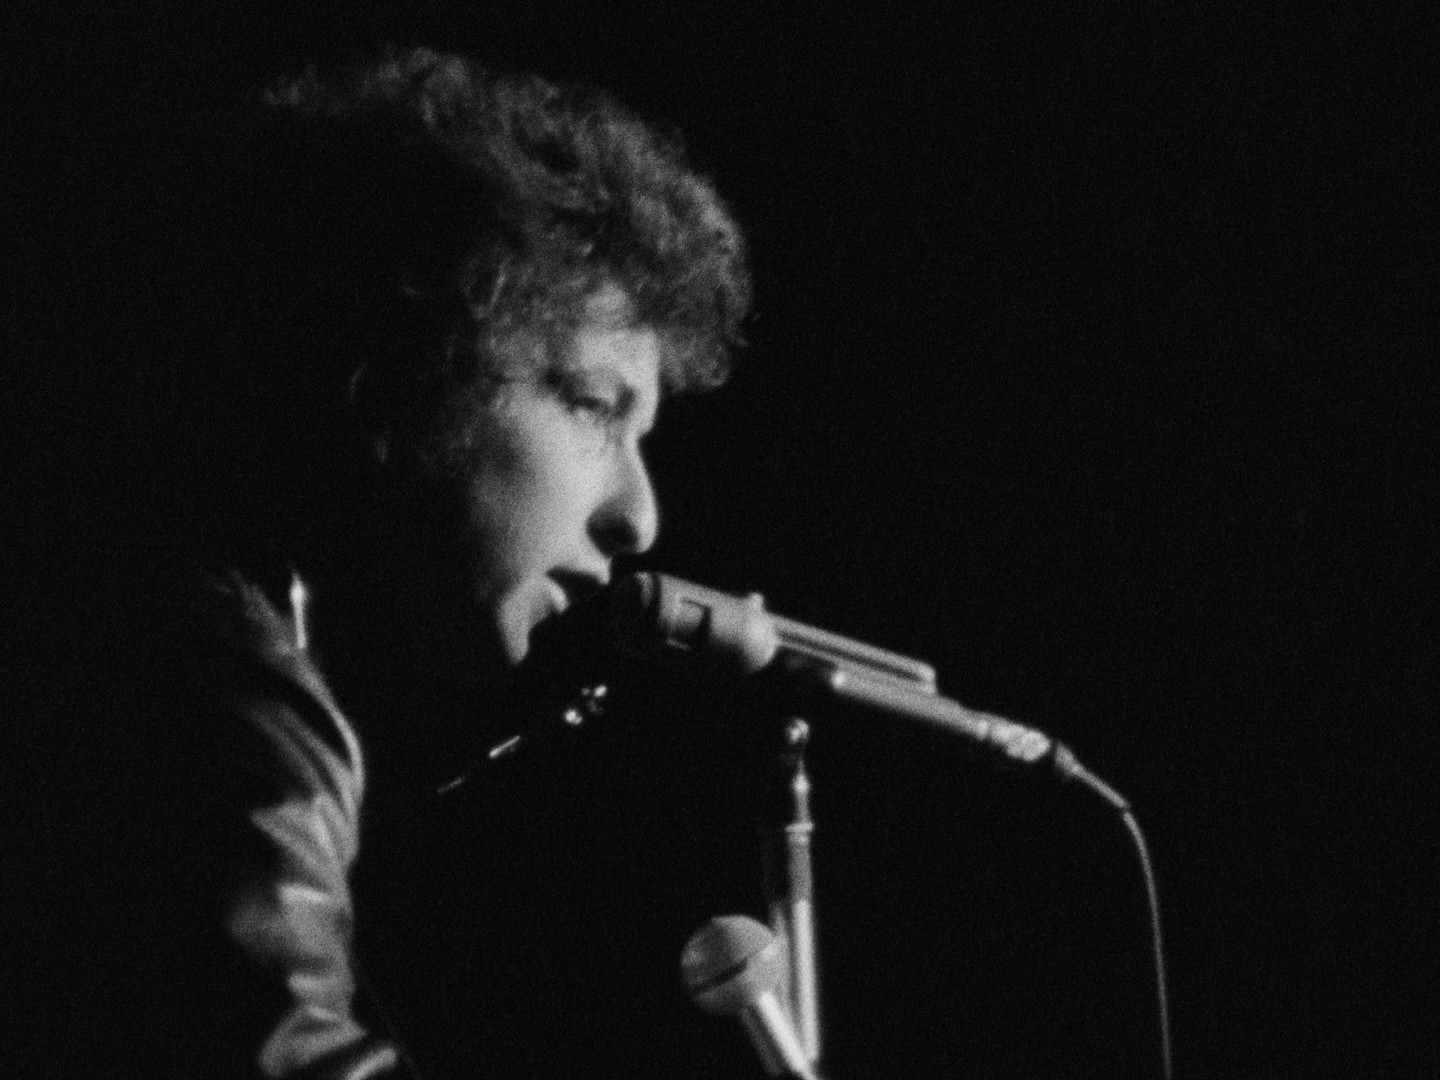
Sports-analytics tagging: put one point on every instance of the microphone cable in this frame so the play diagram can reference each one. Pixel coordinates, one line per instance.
(1162, 993)
(1071, 769)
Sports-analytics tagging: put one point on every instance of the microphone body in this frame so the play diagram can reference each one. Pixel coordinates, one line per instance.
(738, 632)
(657, 610)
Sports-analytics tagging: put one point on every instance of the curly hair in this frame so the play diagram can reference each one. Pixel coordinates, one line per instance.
(435, 207)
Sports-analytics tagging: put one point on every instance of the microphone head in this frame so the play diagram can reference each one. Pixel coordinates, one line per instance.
(652, 611)
(730, 962)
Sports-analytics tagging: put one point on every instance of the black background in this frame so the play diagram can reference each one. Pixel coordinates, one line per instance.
(1091, 362)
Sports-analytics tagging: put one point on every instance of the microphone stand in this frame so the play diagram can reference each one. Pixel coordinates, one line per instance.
(789, 883)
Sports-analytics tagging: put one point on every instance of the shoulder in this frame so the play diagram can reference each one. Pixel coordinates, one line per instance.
(247, 671)
(189, 690)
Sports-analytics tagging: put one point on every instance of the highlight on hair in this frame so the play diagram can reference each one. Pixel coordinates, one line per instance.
(448, 207)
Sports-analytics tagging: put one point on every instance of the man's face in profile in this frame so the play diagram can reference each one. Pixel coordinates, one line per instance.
(545, 480)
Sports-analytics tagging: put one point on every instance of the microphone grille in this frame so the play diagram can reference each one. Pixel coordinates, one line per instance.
(730, 962)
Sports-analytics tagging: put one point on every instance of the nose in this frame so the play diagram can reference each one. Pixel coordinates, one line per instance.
(628, 521)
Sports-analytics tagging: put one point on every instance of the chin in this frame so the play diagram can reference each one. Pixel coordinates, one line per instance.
(514, 639)
(513, 653)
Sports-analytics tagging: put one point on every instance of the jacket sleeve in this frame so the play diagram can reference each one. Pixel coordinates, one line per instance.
(288, 795)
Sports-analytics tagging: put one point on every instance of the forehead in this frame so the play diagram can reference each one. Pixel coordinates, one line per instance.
(633, 352)
(609, 340)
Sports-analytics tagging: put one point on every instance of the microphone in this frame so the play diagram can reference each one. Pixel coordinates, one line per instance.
(734, 966)
(650, 611)
(657, 609)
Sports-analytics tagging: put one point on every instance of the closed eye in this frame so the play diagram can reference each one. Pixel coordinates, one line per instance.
(599, 409)
(592, 398)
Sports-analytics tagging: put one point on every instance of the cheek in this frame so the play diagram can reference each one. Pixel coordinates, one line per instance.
(526, 506)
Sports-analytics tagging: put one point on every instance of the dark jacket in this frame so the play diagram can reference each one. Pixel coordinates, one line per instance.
(203, 878)
(190, 815)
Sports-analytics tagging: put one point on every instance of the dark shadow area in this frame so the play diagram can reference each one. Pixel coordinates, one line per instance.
(1091, 363)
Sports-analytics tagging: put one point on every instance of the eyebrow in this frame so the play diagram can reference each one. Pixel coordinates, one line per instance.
(628, 394)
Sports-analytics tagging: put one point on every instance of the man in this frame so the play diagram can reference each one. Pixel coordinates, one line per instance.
(439, 323)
